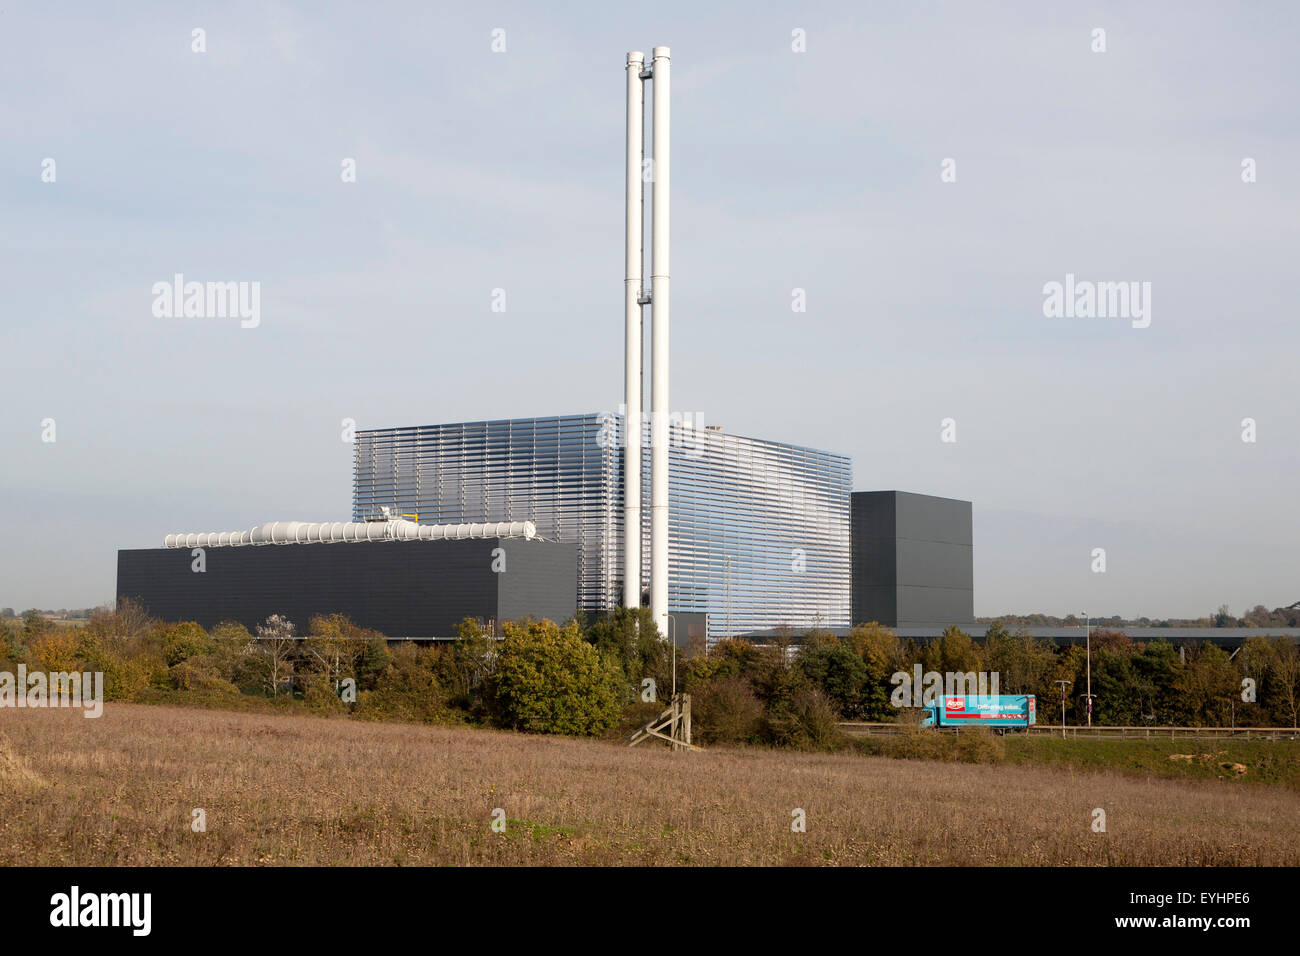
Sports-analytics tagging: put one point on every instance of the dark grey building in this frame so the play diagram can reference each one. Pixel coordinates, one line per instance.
(416, 589)
(911, 560)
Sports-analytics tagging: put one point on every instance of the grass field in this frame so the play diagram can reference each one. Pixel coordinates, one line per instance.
(1243, 762)
(303, 790)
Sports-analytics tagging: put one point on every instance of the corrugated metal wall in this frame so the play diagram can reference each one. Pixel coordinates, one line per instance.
(400, 588)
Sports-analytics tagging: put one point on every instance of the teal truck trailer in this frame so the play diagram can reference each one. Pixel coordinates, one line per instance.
(1003, 711)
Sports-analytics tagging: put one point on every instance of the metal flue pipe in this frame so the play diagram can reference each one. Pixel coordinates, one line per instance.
(632, 345)
(659, 300)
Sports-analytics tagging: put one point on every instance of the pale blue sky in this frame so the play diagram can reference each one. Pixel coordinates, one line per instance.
(818, 170)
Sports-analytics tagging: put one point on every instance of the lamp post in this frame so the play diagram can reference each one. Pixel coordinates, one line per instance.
(730, 634)
(1063, 684)
(672, 637)
(1087, 638)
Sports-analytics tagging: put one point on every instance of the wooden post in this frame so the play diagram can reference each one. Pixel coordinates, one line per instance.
(676, 719)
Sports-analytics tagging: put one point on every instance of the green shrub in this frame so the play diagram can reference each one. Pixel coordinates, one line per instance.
(979, 745)
(10, 642)
(549, 680)
(185, 640)
(189, 675)
(725, 710)
(319, 694)
(635, 716)
(840, 673)
(629, 637)
(408, 689)
(55, 651)
(807, 721)
(129, 678)
(465, 668)
(913, 742)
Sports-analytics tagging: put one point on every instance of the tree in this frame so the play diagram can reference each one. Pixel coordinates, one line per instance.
(56, 651)
(1286, 676)
(1255, 661)
(1120, 693)
(883, 655)
(806, 721)
(1071, 666)
(1023, 663)
(467, 667)
(629, 636)
(1158, 668)
(726, 711)
(234, 657)
(276, 645)
(35, 624)
(333, 648)
(185, 640)
(1207, 685)
(9, 641)
(954, 652)
(374, 661)
(549, 680)
(840, 674)
(408, 690)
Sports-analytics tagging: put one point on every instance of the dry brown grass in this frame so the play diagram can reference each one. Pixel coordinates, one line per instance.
(300, 790)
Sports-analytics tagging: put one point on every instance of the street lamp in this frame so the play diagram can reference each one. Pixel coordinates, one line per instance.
(672, 637)
(1087, 638)
(1063, 684)
(730, 633)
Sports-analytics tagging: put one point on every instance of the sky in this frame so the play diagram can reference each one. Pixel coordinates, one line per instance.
(922, 171)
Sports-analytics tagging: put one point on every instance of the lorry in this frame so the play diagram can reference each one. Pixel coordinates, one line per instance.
(974, 711)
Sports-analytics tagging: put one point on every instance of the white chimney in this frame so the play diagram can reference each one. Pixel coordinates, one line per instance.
(632, 346)
(659, 299)
(634, 297)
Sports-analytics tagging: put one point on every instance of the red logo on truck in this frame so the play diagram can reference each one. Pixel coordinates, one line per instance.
(955, 703)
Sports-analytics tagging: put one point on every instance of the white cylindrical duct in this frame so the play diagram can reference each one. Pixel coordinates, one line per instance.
(632, 341)
(659, 302)
(329, 532)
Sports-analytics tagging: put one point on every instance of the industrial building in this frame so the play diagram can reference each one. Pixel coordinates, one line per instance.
(762, 535)
(717, 533)
(400, 585)
(912, 560)
(758, 531)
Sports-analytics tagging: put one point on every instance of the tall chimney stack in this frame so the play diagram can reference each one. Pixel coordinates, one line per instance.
(659, 297)
(632, 347)
(634, 297)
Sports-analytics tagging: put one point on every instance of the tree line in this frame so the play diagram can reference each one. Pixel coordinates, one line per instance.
(613, 674)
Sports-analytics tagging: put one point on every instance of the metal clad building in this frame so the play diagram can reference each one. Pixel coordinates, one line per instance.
(420, 589)
(758, 531)
(912, 560)
(562, 473)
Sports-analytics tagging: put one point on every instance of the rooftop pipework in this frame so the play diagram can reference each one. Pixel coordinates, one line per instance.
(333, 532)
